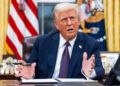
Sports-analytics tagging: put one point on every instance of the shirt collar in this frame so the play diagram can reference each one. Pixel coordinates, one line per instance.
(63, 41)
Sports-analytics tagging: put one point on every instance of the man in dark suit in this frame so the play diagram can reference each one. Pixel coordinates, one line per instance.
(80, 52)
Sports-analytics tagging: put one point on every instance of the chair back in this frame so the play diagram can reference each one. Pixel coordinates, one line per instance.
(27, 46)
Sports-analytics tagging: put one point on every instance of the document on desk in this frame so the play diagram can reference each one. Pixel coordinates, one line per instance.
(75, 80)
(40, 81)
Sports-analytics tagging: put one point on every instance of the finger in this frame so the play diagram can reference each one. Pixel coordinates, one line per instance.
(20, 67)
(84, 57)
(20, 70)
(33, 64)
(92, 65)
(92, 58)
(18, 75)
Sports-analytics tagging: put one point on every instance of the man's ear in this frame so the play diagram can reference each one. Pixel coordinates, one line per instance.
(56, 25)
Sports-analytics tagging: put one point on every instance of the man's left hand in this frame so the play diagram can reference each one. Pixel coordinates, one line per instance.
(88, 65)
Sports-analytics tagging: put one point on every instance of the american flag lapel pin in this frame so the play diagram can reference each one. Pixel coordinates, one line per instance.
(80, 46)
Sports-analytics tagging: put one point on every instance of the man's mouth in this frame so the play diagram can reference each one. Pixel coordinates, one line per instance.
(70, 29)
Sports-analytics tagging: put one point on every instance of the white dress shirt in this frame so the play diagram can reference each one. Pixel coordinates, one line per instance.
(60, 52)
(59, 57)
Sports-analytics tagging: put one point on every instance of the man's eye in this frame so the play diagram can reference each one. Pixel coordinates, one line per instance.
(72, 18)
(64, 19)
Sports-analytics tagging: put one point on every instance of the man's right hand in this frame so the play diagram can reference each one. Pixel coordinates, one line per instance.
(26, 72)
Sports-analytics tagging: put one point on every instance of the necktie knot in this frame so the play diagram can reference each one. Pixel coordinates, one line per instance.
(67, 44)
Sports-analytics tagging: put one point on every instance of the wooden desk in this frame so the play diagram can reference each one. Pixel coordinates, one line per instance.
(8, 77)
(18, 83)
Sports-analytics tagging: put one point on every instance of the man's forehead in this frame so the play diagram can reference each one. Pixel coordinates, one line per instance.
(66, 10)
(71, 11)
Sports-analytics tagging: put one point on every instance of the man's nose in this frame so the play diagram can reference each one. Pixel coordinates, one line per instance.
(69, 21)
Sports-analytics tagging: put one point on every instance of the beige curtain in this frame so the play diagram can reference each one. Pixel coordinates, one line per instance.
(4, 11)
(112, 24)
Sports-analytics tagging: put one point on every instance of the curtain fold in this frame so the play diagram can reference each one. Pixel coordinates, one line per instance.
(117, 25)
(112, 24)
(4, 6)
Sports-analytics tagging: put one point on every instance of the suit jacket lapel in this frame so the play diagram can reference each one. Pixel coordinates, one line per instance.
(76, 53)
(53, 49)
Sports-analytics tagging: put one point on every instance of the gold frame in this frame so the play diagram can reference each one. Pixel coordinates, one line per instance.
(108, 60)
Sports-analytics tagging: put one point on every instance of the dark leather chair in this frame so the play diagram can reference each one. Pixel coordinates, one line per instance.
(27, 46)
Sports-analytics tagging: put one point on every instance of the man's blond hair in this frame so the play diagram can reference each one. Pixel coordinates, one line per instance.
(64, 7)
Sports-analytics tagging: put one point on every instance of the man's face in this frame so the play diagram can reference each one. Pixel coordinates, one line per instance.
(67, 23)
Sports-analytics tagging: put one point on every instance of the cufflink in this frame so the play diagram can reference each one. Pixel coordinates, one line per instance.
(80, 46)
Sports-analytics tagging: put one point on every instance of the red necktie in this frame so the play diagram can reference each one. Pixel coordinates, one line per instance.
(65, 62)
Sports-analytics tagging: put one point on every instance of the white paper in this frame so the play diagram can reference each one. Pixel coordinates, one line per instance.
(38, 81)
(75, 80)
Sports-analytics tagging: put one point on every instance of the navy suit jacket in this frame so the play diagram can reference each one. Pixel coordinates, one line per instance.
(45, 50)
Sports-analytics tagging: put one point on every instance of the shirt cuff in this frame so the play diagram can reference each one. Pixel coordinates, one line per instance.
(93, 75)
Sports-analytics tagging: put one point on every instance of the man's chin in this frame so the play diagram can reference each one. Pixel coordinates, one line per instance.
(71, 36)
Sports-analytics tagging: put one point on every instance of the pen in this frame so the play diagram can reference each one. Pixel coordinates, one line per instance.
(24, 64)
